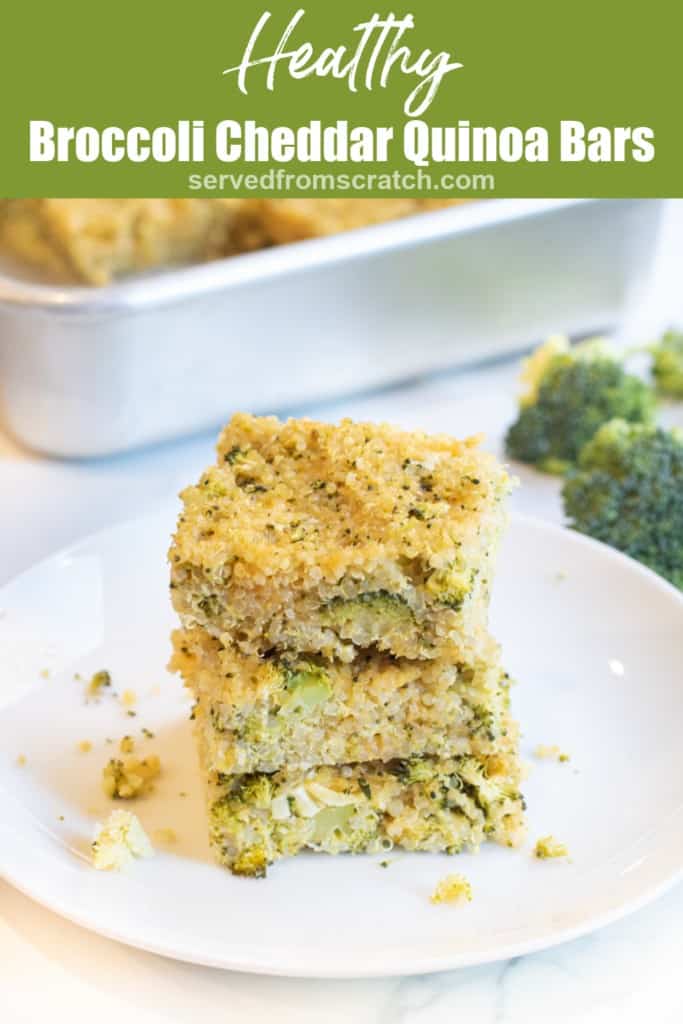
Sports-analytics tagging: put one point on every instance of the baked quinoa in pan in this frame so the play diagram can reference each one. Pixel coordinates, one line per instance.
(262, 714)
(95, 241)
(309, 537)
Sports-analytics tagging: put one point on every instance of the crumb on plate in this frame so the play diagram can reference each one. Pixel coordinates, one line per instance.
(548, 848)
(166, 836)
(44, 673)
(130, 778)
(97, 682)
(129, 698)
(84, 746)
(545, 752)
(21, 760)
(119, 841)
(127, 745)
(452, 889)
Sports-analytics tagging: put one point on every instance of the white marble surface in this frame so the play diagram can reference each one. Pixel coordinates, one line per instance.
(50, 969)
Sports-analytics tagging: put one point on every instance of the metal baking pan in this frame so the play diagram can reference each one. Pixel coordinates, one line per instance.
(91, 371)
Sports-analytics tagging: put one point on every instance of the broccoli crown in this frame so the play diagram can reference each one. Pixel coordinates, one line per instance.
(628, 492)
(667, 364)
(578, 390)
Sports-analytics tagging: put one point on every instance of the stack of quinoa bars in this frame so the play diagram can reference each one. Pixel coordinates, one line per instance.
(333, 584)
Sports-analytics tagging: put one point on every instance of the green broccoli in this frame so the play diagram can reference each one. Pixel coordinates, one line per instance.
(628, 492)
(308, 685)
(570, 393)
(374, 609)
(667, 364)
(450, 586)
(256, 790)
(252, 863)
(413, 769)
(330, 820)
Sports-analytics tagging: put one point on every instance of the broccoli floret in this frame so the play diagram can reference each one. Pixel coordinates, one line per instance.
(628, 492)
(345, 828)
(667, 364)
(450, 586)
(331, 820)
(411, 770)
(236, 454)
(570, 394)
(307, 685)
(252, 863)
(256, 790)
(377, 608)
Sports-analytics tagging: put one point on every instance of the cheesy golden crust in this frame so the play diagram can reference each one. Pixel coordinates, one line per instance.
(314, 537)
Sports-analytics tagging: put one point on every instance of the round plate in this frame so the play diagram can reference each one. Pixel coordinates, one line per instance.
(594, 641)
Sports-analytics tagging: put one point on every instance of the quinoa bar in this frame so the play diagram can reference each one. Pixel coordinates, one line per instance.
(309, 537)
(431, 804)
(263, 714)
(95, 240)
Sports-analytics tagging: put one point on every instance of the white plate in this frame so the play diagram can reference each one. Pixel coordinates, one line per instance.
(597, 653)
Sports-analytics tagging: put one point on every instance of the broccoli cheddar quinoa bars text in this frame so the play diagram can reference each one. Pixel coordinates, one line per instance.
(332, 584)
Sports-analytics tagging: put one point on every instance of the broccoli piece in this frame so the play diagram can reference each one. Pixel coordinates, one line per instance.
(412, 770)
(97, 682)
(372, 610)
(307, 685)
(344, 828)
(450, 586)
(570, 394)
(547, 847)
(236, 454)
(452, 889)
(628, 492)
(667, 364)
(331, 820)
(256, 790)
(251, 863)
(131, 778)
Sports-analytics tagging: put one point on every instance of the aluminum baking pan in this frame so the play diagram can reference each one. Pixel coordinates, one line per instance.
(91, 371)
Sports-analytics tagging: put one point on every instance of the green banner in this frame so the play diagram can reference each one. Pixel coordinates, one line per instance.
(309, 98)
